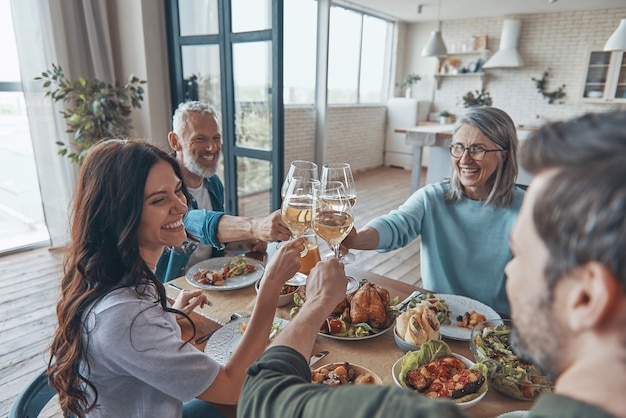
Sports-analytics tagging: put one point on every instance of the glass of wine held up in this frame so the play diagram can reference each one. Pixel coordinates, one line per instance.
(341, 172)
(297, 207)
(332, 213)
(299, 169)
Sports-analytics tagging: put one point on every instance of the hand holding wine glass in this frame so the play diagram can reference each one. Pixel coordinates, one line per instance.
(297, 206)
(332, 213)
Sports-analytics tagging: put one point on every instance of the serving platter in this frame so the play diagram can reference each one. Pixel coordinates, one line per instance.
(231, 283)
(365, 337)
(224, 341)
(458, 305)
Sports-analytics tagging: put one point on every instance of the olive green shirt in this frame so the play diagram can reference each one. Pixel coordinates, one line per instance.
(278, 385)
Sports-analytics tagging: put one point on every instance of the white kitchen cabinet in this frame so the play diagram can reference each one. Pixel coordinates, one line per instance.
(605, 78)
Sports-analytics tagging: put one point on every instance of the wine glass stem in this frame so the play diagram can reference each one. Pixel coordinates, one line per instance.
(336, 250)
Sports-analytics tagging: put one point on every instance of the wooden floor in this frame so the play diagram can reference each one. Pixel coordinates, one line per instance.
(29, 284)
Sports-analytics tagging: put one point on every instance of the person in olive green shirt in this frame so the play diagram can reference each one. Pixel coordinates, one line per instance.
(566, 284)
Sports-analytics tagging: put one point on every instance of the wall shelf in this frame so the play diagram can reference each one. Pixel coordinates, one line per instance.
(480, 75)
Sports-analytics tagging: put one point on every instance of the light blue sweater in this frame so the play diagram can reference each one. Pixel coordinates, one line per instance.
(465, 245)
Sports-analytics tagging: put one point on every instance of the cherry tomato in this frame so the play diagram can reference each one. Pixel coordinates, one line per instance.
(250, 267)
(332, 325)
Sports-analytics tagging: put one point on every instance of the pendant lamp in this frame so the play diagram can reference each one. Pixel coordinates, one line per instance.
(435, 46)
(617, 41)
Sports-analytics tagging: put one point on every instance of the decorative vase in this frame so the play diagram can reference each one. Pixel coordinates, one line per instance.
(443, 120)
(407, 92)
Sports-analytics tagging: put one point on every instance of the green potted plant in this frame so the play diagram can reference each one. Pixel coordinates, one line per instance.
(477, 99)
(445, 117)
(408, 82)
(98, 110)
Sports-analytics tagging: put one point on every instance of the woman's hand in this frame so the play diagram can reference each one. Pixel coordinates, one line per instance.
(284, 263)
(188, 300)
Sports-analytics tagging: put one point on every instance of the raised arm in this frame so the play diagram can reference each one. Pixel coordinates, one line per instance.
(268, 228)
(366, 239)
(325, 288)
(285, 263)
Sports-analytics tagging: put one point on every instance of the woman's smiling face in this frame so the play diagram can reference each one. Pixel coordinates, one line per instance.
(164, 206)
(474, 175)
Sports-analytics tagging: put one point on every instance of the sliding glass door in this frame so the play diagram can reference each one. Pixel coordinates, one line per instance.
(229, 53)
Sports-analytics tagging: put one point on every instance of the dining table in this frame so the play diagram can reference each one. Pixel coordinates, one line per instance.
(378, 354)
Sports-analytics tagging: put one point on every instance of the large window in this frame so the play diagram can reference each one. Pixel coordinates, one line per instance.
(359, 55)
(21, 214)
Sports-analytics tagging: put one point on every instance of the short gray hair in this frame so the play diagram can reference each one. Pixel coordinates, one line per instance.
(573, 142)
(580, 216)
(498, 126)
(185, 108)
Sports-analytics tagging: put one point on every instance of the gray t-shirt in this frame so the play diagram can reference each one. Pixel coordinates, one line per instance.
(137, 360)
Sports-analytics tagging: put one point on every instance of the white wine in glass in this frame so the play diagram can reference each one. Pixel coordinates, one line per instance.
(341, 172)
(332, 214)
(297, 207)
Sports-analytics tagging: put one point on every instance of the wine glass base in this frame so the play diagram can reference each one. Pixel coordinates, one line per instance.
(346, 258)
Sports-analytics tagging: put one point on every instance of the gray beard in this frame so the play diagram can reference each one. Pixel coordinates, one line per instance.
(193, 167)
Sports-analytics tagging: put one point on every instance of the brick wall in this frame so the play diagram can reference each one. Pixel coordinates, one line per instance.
(560, 41)
(355, 134)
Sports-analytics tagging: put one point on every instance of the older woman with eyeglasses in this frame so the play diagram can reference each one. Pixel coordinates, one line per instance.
(464, 222)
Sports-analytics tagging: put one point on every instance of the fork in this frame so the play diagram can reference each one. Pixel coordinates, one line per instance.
(234, 316)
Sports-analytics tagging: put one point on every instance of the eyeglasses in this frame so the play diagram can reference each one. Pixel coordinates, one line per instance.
(475, 151)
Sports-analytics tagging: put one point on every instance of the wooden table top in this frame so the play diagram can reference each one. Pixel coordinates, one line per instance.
(377, 354)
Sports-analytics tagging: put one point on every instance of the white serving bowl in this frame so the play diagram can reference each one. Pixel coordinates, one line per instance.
(397, 367)
(284, 298)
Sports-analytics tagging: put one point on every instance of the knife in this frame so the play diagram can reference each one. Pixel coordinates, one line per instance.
(406, 301)
(317, 357)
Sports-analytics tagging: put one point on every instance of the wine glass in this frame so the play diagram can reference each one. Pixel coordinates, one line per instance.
(341, 172)
(332, 213)
(299, 169)
(297, 206)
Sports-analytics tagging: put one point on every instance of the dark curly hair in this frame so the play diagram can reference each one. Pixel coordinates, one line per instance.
(103, 255)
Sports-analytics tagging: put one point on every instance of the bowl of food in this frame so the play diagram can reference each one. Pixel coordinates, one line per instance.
(344, 373)
(286, 293)
(509, 374)
(414, 327)
(436, 372)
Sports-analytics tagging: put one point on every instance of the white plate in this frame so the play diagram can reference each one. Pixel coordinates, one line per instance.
(458, 305)
(231, 283)
(514, 414)
(397, 368)
(366, 337)
(223, 342)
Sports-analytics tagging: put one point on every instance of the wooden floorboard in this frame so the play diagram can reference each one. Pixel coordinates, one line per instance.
(30, 280)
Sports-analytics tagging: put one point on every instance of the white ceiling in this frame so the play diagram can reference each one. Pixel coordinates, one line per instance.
(407, 10)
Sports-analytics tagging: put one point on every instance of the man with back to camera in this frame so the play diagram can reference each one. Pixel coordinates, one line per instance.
(566, 284)
(197, 143)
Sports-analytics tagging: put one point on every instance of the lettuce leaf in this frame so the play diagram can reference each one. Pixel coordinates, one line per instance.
(428, 352)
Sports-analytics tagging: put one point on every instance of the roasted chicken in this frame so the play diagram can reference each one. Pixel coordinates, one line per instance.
(369, 304)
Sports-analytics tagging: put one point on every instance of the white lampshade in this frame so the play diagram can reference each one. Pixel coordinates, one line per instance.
(617, 41)
(435, 46)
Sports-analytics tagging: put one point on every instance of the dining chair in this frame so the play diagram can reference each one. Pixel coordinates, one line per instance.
(33, 398)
